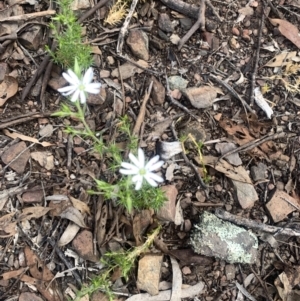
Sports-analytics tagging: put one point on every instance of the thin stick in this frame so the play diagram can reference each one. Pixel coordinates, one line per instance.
(200, 23)
(92, 10)
(241, 221)
(251, 144)
(233, 92)
(214, 10)
(123, 30)
(31, 16)
(177, 103)
(142, 112)
(253, 77)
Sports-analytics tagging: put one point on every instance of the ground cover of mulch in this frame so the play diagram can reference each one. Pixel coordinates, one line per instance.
(227, 76)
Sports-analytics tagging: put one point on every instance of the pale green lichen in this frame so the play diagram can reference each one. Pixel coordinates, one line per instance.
(214, 237)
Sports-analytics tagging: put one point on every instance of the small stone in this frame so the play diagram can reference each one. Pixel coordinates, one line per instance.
(177, 82)
(259, 172)
(167, 211)
(164, 23)
(245, 35)
(46, 131)
(235, 31)
(138, 43)
(14, 154)
(110, 60)
(176, 94)
(186, 270)
(45, 159)
(218, 187)
(104, 73)
(79, 150)
(186, 23)
(162, 35)
(149, 272)
(158, 92)
(230, 271)
(233, 43)
(83, 245)
(34, 195)
(80, 4)
(245, 193)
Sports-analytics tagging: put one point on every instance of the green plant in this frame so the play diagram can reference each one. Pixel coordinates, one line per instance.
(67, 32)
(123, 261)
(199, 146)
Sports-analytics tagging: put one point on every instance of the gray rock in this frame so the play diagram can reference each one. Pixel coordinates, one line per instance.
(139, 44)
(164, 23)
(186, 23)
(177, 82)
(259, 172)
(215, 238)
(245, 193)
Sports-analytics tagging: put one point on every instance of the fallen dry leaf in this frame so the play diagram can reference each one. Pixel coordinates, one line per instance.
(8, 227)
(281, 205)
(33, 212)
(202, 97)
(281, 59)
(25, 138)
(45, 159)
(68, 235)
(13, 274)
(37, 268)
(238, 173)
(74, 215)
(8, 88)
(81, 206)
(288, 30)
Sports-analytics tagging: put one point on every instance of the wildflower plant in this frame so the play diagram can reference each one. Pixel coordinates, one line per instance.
(137, 184)
(67, 33)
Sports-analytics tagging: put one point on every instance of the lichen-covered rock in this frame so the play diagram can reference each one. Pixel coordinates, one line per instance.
(216, 238)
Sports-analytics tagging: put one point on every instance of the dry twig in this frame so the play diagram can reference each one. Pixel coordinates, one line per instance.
(200, 23)
(241, 221)
(123, 30)
(254, 143)
(253, 77)
(141, 116)
(177, 103)
(31, 16)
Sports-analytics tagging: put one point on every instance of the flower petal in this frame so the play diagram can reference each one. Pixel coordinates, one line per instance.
(141, 157)
(152, 161)
(134, 160)
(138, 184)
(71, 77)
(156, 166)
(137, 178)
(93, 88)
(127, 171)
(88, 77)
(82, 97)
(155, 177)
(150, 180)
(75, 96)
(68, 89)
(130, 166)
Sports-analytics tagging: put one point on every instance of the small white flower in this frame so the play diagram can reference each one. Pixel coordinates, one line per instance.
(140, 171)
(79, 87)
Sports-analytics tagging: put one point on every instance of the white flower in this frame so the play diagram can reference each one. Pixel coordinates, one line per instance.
(141, 171)
(79, 87)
